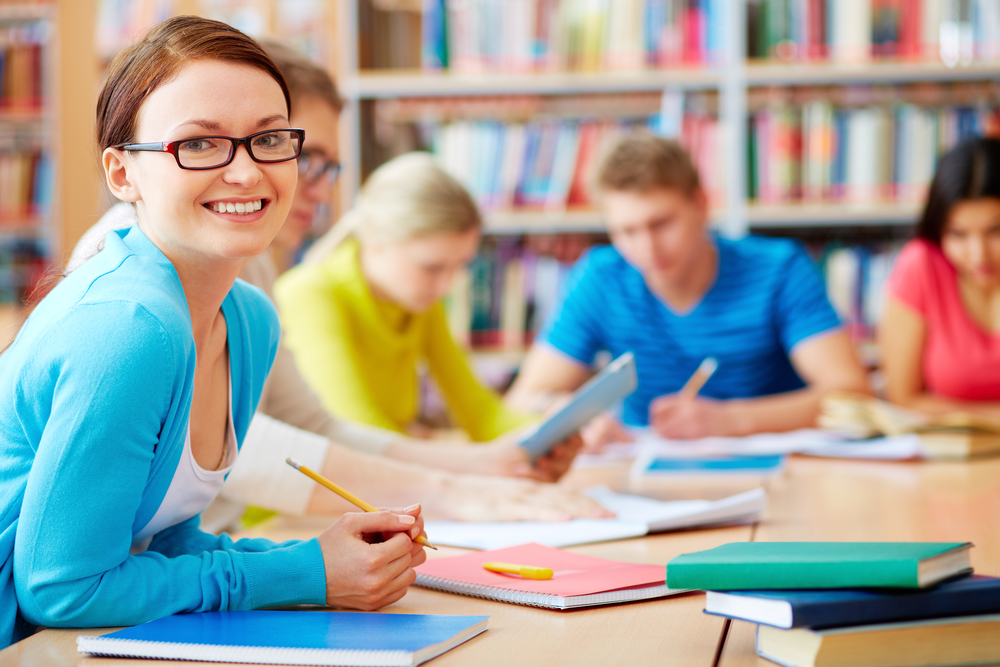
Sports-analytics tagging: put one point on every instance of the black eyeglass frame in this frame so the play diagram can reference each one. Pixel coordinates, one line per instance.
(331, 167)
(172, 147)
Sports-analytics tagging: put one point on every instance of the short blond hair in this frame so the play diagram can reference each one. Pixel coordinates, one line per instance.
(643, 161)
(407, 197)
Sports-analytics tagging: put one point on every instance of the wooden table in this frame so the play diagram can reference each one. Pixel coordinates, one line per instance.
(815, 499)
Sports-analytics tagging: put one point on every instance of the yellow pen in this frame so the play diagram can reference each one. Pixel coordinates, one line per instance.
(345, 494)
(526, 571)
(700, 377)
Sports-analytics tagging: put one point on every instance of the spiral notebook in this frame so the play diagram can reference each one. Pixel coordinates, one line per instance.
(577, 581)
(290, 638)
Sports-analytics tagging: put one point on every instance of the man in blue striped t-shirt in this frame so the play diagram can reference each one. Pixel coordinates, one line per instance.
(673, 293)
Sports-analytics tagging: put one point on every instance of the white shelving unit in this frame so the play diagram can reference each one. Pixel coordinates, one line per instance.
(733, 82)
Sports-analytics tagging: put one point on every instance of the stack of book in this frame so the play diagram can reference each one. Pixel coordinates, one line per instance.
(953, 32)
(952, 436)
(857, 604)
(567, 35)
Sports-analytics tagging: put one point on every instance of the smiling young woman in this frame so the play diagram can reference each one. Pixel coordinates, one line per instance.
(130, 388)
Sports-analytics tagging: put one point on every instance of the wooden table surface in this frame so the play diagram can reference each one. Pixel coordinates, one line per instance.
(815, 499)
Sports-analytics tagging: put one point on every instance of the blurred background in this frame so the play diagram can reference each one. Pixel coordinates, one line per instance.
(816, 119)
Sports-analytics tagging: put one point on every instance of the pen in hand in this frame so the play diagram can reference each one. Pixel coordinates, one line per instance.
(345, 494)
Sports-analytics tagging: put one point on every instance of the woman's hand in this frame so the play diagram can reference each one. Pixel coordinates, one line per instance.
(369, 558)
(478, 498)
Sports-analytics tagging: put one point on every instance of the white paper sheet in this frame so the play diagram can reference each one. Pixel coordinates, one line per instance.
(636, 516)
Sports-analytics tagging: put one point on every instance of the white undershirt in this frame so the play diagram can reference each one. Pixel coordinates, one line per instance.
(192, 488)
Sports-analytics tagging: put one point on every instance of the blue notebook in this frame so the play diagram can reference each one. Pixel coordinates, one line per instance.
(828, 608)
(290, 637)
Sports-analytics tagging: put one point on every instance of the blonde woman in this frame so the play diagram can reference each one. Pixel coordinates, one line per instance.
(365, 309)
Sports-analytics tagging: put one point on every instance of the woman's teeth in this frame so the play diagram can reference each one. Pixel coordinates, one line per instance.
(238, 207)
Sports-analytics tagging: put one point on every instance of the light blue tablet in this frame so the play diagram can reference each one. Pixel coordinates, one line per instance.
(613, 383)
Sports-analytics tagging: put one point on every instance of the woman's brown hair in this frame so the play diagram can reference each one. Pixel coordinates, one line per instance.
(137, 70)
(157, 57)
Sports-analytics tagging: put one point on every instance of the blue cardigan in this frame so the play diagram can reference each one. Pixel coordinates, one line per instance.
(95, 395)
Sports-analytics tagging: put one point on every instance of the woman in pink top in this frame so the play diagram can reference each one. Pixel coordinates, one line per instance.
(940, 331)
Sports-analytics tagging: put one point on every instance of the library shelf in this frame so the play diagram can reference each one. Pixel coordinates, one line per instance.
(379, 84)
(543, 222)
(830, 214)
(764, 73)
(758, 216)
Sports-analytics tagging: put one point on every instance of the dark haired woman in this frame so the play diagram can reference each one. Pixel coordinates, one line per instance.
(940, 330)
(130, 387)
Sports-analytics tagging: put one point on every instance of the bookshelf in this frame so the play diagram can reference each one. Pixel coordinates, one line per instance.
(881, 67)
(26, 146)
(733, 78)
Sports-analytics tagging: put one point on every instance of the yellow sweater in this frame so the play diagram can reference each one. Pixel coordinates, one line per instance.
(360, 354)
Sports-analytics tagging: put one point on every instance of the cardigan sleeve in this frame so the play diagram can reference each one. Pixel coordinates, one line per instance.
(99, 419)
(476, 408)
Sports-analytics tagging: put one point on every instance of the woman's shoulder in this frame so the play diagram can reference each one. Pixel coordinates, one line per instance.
(920, 272)
(920, 255)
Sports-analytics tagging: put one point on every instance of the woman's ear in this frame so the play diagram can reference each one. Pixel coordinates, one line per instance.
(118, 173)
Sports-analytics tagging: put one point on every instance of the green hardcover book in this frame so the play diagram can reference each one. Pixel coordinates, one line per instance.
(790, 565)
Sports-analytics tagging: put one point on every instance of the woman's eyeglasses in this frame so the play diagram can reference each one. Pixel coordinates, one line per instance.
(213, 152)
(314, 166)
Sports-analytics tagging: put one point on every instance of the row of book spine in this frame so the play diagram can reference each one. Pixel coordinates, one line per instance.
(21, 85)
(25, 186)
(569, 35)
(953, 31)
(505, 295)
(817, 151)
(548, 164)
(855, 277)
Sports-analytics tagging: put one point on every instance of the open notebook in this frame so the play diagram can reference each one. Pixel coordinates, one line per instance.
(635, 516)
(577, 581)
(290, 637)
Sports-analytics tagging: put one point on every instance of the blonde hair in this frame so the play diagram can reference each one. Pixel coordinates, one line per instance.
(406, 197)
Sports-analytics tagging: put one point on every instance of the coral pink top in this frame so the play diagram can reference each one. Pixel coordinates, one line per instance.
(961, 359)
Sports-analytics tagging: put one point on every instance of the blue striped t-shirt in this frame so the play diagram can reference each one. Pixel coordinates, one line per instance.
(766, 299)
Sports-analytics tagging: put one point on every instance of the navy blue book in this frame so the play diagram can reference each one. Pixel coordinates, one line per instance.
(290, 637)
(830, 608)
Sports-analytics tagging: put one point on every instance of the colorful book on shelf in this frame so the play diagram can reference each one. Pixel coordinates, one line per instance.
(827, 608)
(821, 565)
(967, 640)
(290, 637)
(577, 581)
(635, 516)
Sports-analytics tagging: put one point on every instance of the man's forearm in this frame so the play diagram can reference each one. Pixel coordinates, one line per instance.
(779, 412)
